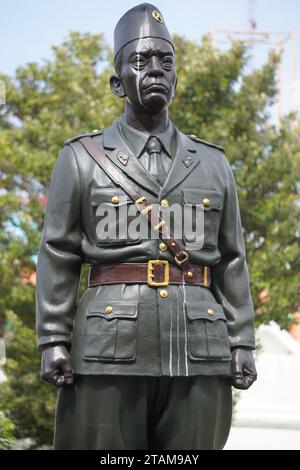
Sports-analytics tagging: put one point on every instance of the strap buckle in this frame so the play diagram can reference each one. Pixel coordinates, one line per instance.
(150, 274)
(180, 261)
(139, 201)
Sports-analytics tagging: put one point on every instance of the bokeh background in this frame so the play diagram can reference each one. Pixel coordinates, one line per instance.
(239, 86)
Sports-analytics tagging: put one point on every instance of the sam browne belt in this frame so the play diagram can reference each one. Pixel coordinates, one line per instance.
(155, 272)
(146, 209)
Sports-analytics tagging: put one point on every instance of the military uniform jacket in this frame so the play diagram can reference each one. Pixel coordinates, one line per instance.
(189, 332)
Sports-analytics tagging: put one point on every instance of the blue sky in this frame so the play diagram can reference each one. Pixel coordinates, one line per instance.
(30, 27)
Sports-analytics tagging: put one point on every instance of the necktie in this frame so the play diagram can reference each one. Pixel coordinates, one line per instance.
(155, 165)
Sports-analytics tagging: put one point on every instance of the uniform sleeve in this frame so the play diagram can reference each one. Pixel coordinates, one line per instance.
(230, 276)
(59, 259)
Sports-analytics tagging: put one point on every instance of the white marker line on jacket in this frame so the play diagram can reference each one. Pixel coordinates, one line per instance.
(124, 289)
(185, 332)
(178, 336)
(98, 291)
(170, 354)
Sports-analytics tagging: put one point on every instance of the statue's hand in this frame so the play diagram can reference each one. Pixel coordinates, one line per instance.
(56, 366)
(243, 368)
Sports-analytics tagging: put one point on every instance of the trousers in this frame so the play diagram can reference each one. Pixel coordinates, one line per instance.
(114, 412)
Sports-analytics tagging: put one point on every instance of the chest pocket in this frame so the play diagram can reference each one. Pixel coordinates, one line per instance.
(113, 215)
(110, 333)
(205, 206)
(207, 332)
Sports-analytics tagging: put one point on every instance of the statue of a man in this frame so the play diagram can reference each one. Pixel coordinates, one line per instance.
(147, 358)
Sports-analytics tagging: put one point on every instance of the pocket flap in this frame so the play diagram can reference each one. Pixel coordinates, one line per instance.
(105, 195)
(113, 309)
(205, 310)
(209, 198)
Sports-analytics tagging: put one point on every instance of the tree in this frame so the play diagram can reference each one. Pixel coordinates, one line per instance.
(45, 104)
(224, 104)
(6, 435)
(218, 100)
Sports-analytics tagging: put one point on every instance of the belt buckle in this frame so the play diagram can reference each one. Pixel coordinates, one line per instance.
(150, 274)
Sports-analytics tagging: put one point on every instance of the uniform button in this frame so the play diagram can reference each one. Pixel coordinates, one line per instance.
(190, 274)
(210, 312)
(115, 200)
(163, 293)
(108, 309)
(164, 203)
(206, 201)
(162, 246)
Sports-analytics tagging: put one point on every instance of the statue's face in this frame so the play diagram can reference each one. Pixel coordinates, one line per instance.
(148, 74)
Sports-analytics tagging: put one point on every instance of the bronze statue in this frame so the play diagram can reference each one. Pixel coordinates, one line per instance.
(165, 327)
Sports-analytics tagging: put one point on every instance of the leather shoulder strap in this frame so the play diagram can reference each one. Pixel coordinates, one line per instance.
(145, 208)
(110, 169)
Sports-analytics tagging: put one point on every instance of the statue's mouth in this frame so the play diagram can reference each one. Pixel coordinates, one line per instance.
(157, 87)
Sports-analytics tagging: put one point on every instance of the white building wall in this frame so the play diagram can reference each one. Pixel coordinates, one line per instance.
(268, 414)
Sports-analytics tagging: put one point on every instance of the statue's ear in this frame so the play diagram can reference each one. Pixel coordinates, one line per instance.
(116, 86)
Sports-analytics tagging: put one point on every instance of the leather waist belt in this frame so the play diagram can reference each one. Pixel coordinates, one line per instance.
(155, 273)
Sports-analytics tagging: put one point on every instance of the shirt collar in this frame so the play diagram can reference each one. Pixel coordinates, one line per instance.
(137, 139)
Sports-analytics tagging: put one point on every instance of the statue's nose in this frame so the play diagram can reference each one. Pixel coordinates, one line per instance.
(155, 66)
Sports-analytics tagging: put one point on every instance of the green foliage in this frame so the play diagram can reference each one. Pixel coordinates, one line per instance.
(219, 100)
(6, 432)
(28, 402)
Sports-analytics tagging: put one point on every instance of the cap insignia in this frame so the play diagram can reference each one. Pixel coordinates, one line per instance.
(157, 16)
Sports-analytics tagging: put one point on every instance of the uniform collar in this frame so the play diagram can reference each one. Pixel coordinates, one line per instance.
(137, 139)
(186, 158)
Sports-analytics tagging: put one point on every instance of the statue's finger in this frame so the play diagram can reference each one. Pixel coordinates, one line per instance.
(250, 379)
(60, 380)
(69, 380)
(69, 377)
(239, 382)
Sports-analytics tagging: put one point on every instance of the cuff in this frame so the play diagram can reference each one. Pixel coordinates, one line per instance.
(55, 340)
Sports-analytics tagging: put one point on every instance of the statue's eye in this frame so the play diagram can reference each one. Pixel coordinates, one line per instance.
(139, 63)
(167, 63)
